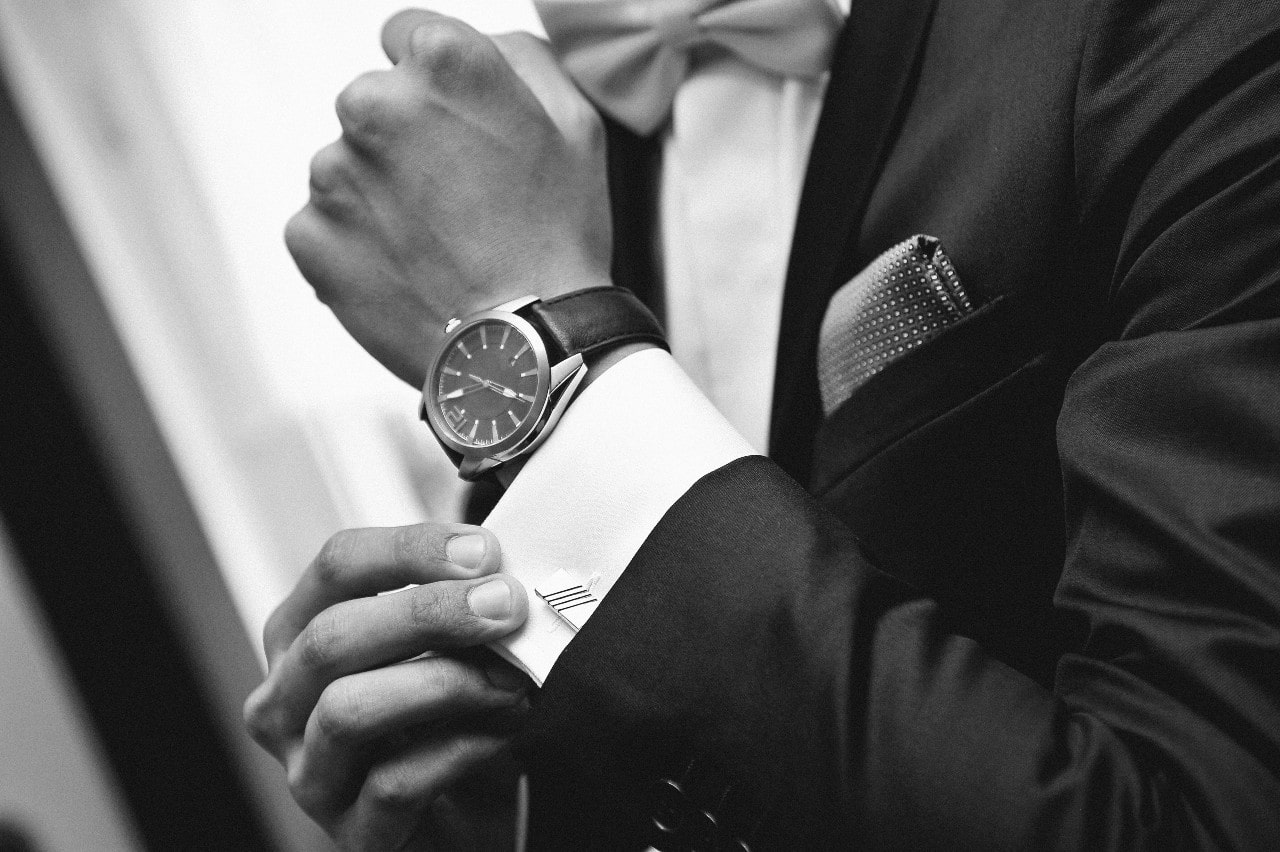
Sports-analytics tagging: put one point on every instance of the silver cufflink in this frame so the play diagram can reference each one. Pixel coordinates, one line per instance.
(571, 600)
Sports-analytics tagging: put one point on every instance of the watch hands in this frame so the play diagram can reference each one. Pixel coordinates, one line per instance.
(463, 391)
(495, 387)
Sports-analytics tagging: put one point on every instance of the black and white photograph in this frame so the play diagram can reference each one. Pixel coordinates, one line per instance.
(639, 425)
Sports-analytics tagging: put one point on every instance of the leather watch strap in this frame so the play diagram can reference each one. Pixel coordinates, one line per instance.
(593, 320)
(584, 322)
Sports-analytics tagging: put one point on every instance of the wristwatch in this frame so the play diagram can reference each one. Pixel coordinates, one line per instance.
(504, 376)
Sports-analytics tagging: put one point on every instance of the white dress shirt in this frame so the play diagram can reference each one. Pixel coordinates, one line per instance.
(733, 162)
(642, 434)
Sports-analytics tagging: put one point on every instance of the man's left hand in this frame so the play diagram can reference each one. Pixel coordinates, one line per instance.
(471, 173)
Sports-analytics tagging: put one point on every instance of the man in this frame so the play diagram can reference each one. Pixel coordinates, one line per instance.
(1031, 597)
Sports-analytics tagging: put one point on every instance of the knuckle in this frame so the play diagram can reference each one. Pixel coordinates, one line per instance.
(303, 789)
(359, 101)
(458, 751)
(452, 681)
(341, 714)
(368, 108)
(320, 643)
(392, 787)
(296, 777)
(410, 544)
(329, 170)
(299, 236)
(428, 607)
(259, 718)
(272, 629)
(446, 47)
(442, 39)
(331, 563)
(308, 236)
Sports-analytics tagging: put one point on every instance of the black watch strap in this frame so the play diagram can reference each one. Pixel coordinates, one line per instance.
(584, 322)
(595, 320)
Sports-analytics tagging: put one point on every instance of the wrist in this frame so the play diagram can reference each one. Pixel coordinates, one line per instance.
(489, 406)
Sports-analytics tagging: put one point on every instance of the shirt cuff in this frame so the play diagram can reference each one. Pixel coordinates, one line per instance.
(624, 452)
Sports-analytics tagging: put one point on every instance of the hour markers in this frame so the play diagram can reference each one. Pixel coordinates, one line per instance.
(493, 424)
(484, 337)
(515, 420)
(506, 332)
(475, 424)
(449, 371)
(528, 373)
(463, 347)
(525, 397)
(523, 349)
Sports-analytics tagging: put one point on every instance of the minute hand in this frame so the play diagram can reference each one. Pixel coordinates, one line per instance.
(497, 388)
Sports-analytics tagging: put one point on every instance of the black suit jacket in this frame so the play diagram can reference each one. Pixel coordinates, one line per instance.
(1029, 595)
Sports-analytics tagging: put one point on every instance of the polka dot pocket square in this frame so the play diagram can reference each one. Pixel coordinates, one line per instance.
(903, 299)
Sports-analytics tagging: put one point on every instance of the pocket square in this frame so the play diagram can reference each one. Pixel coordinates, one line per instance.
(905, 297)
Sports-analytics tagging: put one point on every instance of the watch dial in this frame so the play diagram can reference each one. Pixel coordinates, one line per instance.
(487, 383)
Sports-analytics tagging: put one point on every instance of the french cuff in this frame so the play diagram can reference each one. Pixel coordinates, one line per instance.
(625, 451)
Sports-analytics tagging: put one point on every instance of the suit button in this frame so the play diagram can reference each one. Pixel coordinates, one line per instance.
(670, 808)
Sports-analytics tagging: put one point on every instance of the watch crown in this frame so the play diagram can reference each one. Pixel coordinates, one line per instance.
(451, 325)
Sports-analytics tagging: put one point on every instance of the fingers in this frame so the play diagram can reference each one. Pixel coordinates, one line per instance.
(443, 45)
(415, 32)
(362, 562)
(357, 635)
(378, 108)
(397, 32)
(451, 50)
(453, 54)
(355, 713)
(394, 802)
(309, 236)
(348, 700)
(333, 248)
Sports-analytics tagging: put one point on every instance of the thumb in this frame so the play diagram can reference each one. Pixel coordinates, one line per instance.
(399, 32)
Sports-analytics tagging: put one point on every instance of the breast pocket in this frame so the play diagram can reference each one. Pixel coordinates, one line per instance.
(957, 364)
(945, 465)
(903, 299)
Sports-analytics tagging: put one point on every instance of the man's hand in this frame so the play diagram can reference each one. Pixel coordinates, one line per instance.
(471, 173)
(386, 751)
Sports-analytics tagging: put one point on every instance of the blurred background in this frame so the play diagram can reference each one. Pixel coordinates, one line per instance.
(183, 423)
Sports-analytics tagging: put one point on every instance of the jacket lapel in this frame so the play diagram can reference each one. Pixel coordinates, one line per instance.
(873, 71)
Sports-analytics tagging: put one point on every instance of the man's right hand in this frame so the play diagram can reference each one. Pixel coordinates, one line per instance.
(384, 749)
(471, 173)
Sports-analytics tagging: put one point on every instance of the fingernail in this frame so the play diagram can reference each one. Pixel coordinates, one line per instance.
(492, 600)
(505, 676)
(466, 550)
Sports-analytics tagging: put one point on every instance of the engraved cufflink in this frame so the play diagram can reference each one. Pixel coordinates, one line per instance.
(571, 600)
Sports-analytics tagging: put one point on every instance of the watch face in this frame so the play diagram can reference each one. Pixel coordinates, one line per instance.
(486, 383)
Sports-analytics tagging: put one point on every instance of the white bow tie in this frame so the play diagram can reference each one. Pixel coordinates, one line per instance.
(630, 56)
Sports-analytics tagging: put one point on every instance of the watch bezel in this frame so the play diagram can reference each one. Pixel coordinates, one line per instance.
(537, 411)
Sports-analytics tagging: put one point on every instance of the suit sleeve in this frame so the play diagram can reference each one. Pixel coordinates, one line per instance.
(798, 697)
